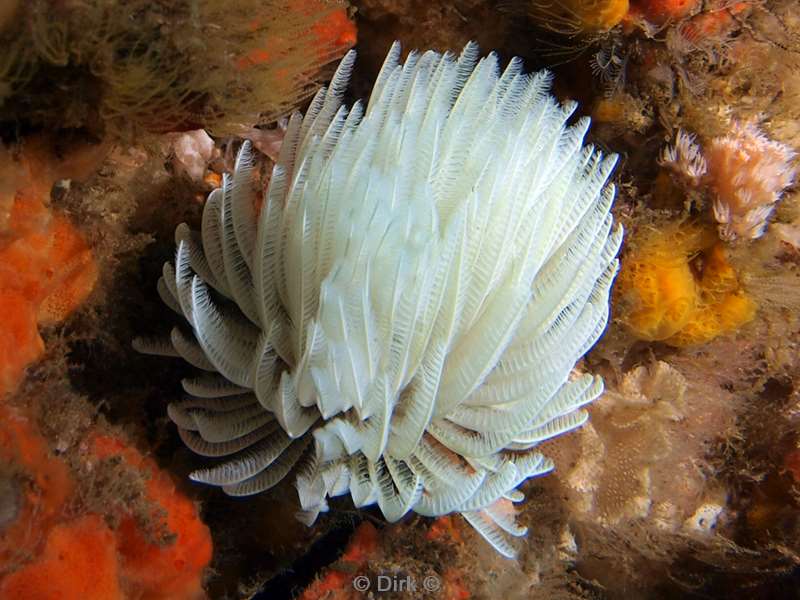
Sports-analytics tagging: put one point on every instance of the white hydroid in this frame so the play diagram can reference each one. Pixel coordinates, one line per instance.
(399, 317)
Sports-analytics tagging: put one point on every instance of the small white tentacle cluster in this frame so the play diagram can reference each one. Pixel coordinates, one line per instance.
(399, 316)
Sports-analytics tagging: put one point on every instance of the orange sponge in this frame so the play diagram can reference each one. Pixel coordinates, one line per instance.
(574, 17)
(20, 343)
(52, 267)
(79, 562)
(85, 552)
(46, 271)
(48, 485)
(714, 319)
(444, 529)
(599, 15)
(173, 568)
(656, 283)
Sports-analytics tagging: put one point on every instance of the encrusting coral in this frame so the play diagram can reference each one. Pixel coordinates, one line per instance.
(641, 454)
(406, 312)
(642, 487)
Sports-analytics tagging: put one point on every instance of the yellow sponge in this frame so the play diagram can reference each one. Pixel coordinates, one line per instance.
(677, 286)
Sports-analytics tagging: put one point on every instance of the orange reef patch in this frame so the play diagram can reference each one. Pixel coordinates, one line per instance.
(444, 529)
(337, 583)
(369, 561)
(715, 24)
(660, 12)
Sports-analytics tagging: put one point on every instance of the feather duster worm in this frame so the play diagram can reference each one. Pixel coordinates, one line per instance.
(400, 318)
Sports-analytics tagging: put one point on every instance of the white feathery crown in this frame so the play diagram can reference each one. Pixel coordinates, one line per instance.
(400, 314)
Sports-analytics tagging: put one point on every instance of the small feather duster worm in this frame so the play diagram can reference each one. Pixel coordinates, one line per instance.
(399, 317)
